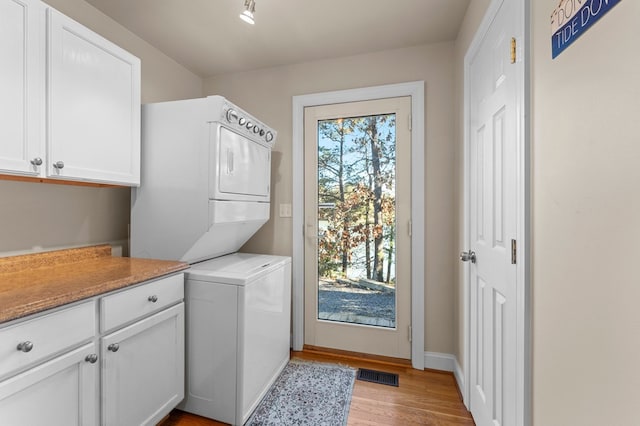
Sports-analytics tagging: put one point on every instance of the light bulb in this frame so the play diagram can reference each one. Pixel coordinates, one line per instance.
(247, 17)
(249, 10)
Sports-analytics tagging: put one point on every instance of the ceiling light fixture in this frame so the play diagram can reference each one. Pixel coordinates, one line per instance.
(249, 10)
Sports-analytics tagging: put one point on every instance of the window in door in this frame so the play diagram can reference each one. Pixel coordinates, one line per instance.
(356, 220)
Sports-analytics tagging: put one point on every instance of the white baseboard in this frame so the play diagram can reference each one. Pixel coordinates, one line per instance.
(439, 361)
(445, 362)
(459, 375)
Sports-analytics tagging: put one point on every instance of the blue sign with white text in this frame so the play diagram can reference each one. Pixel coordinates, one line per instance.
(572, 18)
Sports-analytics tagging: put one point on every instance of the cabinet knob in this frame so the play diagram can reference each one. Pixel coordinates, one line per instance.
(25, 346)
(152, 299)
(91, 358)
(37, 161)
(58, 164)
(113, 347)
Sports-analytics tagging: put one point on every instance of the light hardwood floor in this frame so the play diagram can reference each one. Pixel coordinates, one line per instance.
(423, 397)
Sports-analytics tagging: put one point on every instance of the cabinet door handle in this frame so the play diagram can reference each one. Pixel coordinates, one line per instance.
(113, 347)
(91, 358)
(37, 161)
(25, 346)
(152, 299)
(58, 165)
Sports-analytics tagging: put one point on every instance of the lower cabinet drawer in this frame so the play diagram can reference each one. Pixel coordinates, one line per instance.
(133, 303)
(31, 341)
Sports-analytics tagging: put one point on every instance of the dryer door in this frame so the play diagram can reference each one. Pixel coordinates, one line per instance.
(244, 168)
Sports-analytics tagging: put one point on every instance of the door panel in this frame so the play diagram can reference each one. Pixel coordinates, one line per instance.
(493, 201)
(59, 392)
(93, 105)
(358, 330)
(143, 379)
(20, 87)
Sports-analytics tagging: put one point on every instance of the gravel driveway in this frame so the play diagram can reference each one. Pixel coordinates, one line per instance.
(339, 302)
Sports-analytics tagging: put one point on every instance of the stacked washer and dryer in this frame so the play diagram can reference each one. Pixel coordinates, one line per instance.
(206, 169)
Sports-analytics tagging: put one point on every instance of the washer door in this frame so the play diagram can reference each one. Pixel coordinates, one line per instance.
(244, 168)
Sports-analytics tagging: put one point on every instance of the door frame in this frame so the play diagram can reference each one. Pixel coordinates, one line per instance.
(523, 220)
(414, 89)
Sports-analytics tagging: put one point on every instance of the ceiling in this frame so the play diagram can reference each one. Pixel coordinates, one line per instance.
(208, 37)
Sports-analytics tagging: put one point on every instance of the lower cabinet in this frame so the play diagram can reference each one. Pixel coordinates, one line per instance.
(119, 365)
(143, 369)
(59, 392)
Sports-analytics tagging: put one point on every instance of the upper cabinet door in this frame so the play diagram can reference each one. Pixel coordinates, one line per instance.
(21, 75)
(93, 106)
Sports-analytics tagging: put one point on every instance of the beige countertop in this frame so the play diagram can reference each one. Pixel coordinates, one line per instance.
(33, 283)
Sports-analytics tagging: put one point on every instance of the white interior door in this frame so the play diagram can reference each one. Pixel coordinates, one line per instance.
(357, 259)
(493, 160)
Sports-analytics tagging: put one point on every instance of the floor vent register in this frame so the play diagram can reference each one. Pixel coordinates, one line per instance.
(375, 376)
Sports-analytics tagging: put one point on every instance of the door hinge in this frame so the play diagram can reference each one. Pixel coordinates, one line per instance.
(410, 122)
(513, 50)
(410, 227)
(514, 252)
(410, 332)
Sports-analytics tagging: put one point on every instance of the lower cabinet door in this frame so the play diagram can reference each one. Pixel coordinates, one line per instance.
(60, 392)
(143, 369)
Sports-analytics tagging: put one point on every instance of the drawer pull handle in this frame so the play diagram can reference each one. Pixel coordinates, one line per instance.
(152, 299)
(113, 347)
(25, 346)
(91, 358)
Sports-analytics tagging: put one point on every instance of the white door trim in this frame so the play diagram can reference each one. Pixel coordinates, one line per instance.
(414, 89)
(523, 328)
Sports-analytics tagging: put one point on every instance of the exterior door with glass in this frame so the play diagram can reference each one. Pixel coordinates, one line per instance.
(357, 227)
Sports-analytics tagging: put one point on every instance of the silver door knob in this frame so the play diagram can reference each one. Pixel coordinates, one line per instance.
(113, 347)
(91, 358)
(37, 161)
(25, 346)
(152, 299)
(58, 164)
(466, 256)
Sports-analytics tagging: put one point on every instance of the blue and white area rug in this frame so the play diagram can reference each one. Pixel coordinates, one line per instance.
(307, 393)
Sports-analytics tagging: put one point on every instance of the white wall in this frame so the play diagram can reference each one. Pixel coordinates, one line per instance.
(34, 215)
(268, 94)
(586, 205)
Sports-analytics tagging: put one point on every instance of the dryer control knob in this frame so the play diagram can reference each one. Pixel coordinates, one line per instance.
(269, 137)
(242, 121)
(232, 115)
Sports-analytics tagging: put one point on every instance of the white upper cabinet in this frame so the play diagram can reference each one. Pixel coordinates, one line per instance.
(93, 106)
(21, 77)
(68, 89)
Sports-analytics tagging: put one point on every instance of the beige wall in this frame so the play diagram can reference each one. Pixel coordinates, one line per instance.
(586, 205)
(268, 94)
(35, 216)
